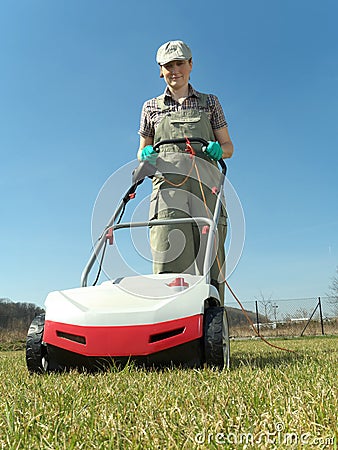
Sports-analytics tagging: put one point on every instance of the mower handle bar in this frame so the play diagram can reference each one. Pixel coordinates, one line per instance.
(154, 222)
(132, 189)
(192, 139)
(180, 141)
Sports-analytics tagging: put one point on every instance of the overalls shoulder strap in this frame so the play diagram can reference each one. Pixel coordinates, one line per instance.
(160, 102)
(202, 100)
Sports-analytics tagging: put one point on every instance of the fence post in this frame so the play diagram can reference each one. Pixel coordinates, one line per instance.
(257, 316)
(321, 315)
(307, 323)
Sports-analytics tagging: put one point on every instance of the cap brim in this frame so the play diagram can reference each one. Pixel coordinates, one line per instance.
(173, 59)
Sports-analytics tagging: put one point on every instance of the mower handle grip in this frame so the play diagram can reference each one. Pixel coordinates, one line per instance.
(183, 141)
(180, 141)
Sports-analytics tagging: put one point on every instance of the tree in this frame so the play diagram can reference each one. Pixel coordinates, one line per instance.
(333, 292)
(17, 316)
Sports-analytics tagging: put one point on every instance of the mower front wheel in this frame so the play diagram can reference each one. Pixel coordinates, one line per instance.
(37, 357)
(216, 337)
(36, 351)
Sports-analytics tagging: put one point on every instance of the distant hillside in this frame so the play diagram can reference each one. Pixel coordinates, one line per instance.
(237, 318)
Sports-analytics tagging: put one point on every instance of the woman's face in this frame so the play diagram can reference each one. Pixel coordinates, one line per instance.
(177, 73)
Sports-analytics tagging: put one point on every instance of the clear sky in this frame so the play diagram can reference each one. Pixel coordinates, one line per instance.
(74, 75)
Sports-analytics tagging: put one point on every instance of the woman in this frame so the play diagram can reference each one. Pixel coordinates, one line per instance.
(183, 112)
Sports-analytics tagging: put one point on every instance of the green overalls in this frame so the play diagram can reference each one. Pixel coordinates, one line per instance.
(180, 248)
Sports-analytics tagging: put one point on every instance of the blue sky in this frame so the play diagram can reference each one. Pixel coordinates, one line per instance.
(74, 75)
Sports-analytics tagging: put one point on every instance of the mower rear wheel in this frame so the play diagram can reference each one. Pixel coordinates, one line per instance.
(36, 350)
(216, 337)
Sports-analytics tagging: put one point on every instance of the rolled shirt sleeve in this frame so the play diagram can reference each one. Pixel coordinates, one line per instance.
(147, 128)
(217, 118)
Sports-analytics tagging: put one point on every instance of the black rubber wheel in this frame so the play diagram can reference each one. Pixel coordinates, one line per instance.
(36, 350)
(216, 337)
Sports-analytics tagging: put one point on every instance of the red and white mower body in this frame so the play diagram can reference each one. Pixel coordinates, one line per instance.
(140, 316)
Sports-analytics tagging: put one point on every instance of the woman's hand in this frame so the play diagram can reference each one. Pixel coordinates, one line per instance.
(147, 154)
(214, 151)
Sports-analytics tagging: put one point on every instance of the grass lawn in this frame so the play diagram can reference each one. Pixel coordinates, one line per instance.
(269, 399)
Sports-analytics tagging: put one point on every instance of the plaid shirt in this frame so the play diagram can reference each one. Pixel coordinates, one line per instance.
(152, 115)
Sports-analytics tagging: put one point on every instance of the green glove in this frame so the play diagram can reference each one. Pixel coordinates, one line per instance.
(214, 150)
(149, 154)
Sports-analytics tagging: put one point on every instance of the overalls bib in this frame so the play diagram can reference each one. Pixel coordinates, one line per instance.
(180, 247)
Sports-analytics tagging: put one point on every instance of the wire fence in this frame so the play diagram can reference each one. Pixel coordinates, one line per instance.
(286, 317)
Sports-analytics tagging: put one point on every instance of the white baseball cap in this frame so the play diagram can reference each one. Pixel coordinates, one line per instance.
(171, 51)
